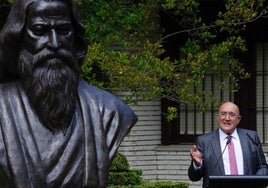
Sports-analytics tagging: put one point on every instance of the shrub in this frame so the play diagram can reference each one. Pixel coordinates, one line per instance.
(121, 174)
(120, 163)
(132, 177)
(156, 185)
(162, 184)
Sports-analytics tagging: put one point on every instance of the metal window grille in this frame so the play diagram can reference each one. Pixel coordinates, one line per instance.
(262, 91)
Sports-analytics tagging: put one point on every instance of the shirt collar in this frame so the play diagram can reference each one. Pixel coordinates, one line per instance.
(223, 135)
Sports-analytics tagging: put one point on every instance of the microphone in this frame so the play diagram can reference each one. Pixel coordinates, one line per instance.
(227, 142)
(258, 152)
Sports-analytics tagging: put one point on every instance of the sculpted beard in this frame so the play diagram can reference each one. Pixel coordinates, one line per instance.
(51, 82)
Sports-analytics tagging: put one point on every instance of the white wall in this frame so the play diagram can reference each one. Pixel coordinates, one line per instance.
(140, 145)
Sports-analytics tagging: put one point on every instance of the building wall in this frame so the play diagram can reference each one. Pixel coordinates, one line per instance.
(144, 151)
(140, 145)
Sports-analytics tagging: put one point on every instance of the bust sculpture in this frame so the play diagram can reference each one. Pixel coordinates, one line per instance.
(55, 129)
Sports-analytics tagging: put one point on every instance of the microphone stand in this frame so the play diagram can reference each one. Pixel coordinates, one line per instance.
(227, 142)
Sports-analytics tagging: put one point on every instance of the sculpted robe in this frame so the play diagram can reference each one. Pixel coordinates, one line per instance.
(32, 156)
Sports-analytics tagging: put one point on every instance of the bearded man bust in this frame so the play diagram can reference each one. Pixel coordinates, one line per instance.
(56, 130)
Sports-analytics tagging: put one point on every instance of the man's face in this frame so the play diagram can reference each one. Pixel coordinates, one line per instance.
(228, 117)
(48, 26)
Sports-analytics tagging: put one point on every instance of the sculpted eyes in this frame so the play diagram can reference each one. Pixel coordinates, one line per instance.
(64, 29)
(41, 29)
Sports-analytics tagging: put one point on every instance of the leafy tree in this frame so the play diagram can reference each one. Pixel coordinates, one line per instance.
(126, 52)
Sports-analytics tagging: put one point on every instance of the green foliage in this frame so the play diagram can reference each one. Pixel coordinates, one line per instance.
(120, 55)
(115, 22)
(121, 174)
(126, 53)
(119, 163)
(132, 177)
(166, 184)
(156, 185)
(172, 113)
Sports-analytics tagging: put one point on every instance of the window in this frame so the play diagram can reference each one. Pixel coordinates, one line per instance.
(262, 90)
(191, 122)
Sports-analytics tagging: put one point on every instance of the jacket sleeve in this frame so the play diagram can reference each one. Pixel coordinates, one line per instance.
(196, 174)
(261, 165)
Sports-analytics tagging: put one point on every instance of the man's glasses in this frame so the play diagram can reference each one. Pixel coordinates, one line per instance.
(231, 114)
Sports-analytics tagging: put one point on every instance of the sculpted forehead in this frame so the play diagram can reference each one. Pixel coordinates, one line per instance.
(49, 9)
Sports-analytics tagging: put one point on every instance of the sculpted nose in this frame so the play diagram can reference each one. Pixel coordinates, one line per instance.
(53, 43)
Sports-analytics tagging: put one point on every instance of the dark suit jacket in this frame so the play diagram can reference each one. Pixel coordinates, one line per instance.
(210, 149)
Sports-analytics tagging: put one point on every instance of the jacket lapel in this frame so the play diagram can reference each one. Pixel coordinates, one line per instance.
(245, 149)
(215, 142)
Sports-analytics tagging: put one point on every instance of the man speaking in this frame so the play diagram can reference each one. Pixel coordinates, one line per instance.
(56, 130)
(229, 150)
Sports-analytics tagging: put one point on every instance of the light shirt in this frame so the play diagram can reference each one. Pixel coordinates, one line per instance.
(238, 152)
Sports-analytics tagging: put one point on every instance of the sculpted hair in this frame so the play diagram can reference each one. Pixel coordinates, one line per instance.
(12, 33)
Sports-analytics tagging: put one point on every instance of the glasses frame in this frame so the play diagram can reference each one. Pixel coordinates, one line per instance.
(231, 115)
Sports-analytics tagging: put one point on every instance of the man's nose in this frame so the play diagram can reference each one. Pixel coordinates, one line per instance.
(54, 42)
(227, 116)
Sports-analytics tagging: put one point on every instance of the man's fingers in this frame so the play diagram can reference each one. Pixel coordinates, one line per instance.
(194, 148)
(193, 151)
